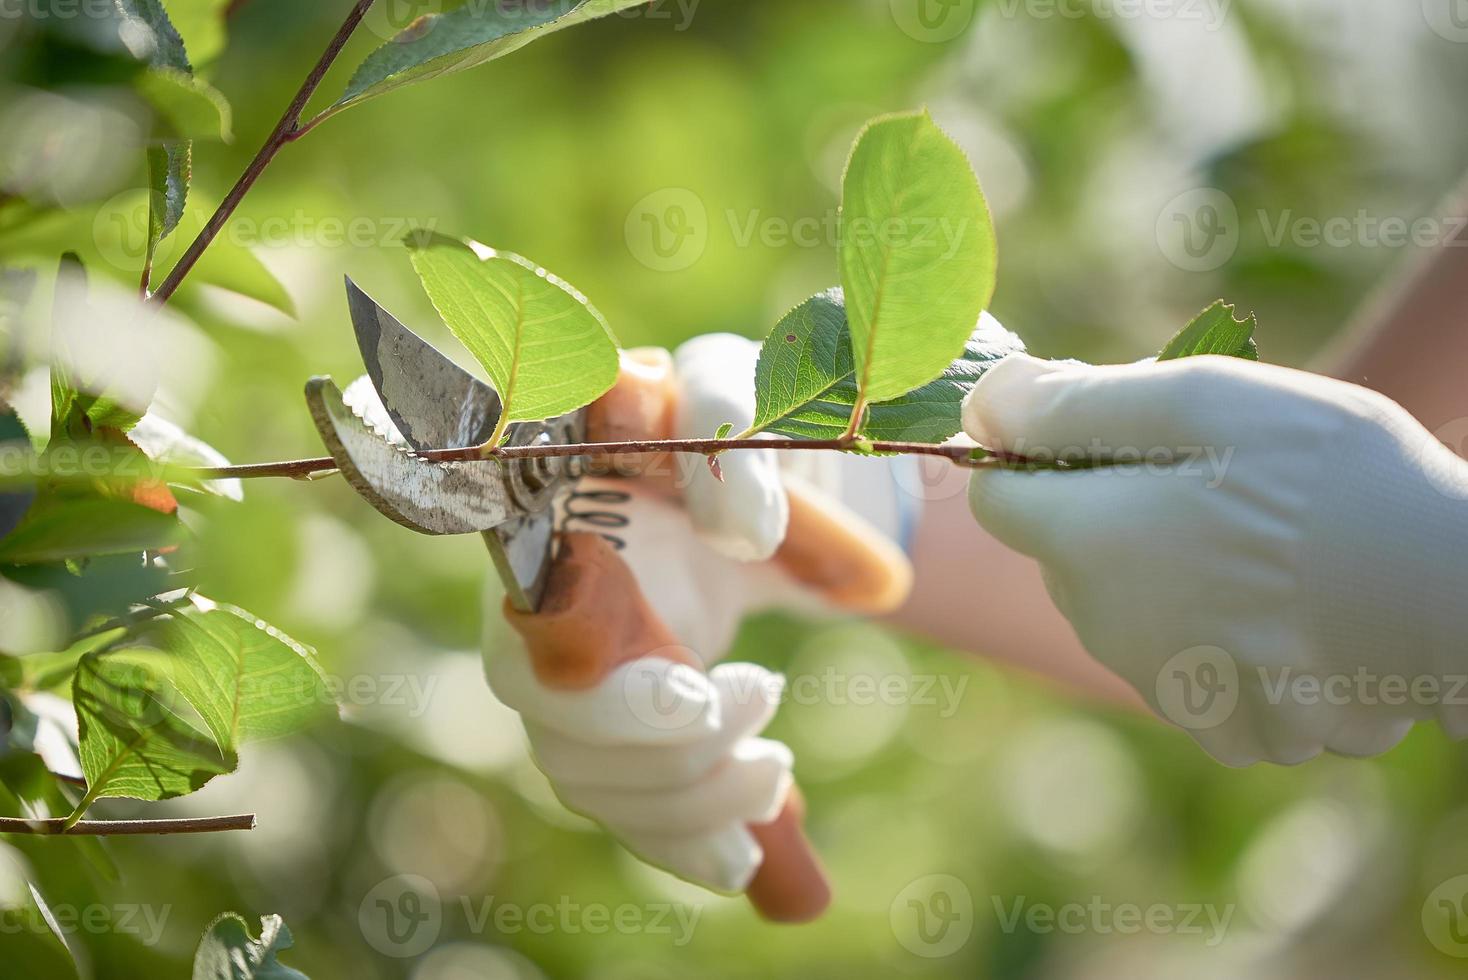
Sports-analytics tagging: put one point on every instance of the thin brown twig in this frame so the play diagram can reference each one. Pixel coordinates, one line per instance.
(286, 131)
(126, 828)
(303, 468)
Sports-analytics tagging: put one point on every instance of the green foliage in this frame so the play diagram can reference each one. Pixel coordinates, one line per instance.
(805, 382)
(470, 35)
(228, 953)
(152, 36)
(192, 108)
(917, 255)
(1215, 331)
(170, 167)
(59, 527)
(547, 350)
(246, 680)
(132, 741)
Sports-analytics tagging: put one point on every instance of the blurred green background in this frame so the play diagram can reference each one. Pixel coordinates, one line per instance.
(1092, 130)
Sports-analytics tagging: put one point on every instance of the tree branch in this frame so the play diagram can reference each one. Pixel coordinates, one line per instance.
(305, 468)
(286, 131)
(126, 828)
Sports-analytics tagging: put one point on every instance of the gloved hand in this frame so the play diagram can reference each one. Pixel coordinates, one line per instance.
(667, 758)
(1281, 569)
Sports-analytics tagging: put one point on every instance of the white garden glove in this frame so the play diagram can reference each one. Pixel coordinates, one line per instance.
(1302, 557)
(667, 758)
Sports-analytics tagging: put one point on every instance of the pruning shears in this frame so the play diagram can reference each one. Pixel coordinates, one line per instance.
(570, 596)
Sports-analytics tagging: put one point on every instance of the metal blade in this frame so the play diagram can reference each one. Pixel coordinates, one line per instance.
(435, 403)
(434, 498)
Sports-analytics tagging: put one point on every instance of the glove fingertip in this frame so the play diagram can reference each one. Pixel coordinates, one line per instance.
(995, 411)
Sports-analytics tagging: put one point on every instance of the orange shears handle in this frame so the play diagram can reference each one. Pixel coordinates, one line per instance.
(595, 618)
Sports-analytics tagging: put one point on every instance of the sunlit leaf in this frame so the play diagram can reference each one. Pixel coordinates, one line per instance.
(805, 382)
(60, 527)
(227, 952)
(151, 36)
(1215, 331)
(132, 742)
(246, 680)
(469, 35)
(192, 108)
(547, 350)
(917, 254)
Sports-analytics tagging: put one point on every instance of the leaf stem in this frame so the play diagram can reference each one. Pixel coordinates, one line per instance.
(853, 427)
(286, 131)
(126, 828)
(304, 468)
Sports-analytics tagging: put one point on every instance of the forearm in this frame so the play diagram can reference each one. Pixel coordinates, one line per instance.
(1410, 341)
(973, 594)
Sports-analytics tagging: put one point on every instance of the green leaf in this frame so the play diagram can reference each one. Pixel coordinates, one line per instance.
(228, 953)
(13, 505)
(1215, 331)
(132, 743)
(151, 36)
(724, 430)
(170, 167)
(79, 405)
(465, 37)
(192, 108)
(805, 381)
(232, 266)
(35, 945)
(57, 528)
(917, 256)
(246, 680)
(547, 350)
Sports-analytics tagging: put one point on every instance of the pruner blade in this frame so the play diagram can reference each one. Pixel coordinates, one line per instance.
(414, 399)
